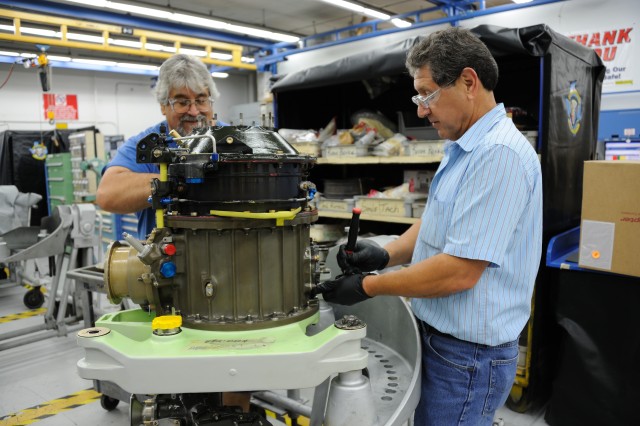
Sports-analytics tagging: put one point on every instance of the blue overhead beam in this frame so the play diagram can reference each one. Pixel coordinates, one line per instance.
(83, 66)
(265, 62)
(95, 15)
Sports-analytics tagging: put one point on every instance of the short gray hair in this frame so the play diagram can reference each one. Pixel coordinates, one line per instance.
(180, 71)
(447, 52)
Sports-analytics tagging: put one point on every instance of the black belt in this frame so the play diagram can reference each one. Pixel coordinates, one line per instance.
(432, 330)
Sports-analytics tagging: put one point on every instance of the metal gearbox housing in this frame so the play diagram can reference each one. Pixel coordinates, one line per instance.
(233, 251)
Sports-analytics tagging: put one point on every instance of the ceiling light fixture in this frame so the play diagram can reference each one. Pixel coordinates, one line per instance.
(138, 66)
(400, 23)
(94, 62)
(219, 74)
(369, 12)
(59, 58)
(188, 19)
(521, 1)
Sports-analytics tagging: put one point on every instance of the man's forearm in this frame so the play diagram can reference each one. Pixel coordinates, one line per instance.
(437, 276)
(123, 191)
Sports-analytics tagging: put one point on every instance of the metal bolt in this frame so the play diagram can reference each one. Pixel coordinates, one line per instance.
(208, 289)
(350, 322)
(157, 153)
(229, 139)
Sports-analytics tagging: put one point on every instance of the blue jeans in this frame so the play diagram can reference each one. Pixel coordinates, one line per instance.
(463, 383)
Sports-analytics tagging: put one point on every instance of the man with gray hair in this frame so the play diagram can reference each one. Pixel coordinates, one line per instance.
(185, 91)
(475, 253)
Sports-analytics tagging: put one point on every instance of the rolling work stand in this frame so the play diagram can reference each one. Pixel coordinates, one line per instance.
(68, 235)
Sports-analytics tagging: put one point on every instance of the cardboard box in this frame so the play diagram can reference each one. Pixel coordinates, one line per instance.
(610, 228)
(424, 148)
(342, 205)
(309, 148)
(384, 206)
(417, 209)
(345, 151)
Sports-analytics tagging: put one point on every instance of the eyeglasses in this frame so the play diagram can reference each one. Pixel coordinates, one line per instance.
(182, 105)
(426, 101)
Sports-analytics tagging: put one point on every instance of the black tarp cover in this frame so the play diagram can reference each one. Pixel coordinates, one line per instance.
(363, 66)
(572, 71)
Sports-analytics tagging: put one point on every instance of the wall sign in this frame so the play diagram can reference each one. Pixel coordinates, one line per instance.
(60, 107)
(614, 45)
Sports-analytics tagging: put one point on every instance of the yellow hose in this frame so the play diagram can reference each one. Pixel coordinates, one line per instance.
(280, 216)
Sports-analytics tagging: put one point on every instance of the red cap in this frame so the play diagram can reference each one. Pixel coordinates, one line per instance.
(169, 249)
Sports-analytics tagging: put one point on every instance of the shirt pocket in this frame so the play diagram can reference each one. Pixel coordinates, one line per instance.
(437, 219)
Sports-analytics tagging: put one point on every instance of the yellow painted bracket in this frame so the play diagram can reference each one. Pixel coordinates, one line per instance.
(136, 43)
(163, 178)
(280, 216)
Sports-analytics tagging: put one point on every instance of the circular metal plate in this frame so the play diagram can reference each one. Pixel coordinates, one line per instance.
(94, 332)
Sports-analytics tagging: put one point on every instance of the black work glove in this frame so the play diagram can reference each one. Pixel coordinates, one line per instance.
(344, 290)
(366, 257)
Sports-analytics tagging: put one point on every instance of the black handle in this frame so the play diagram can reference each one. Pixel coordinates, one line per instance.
(353, 230)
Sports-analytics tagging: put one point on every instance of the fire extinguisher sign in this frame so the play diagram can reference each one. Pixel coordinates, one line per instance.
(60, 107)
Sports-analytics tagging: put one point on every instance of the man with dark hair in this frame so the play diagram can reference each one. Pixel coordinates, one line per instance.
(185, 91)
(475, 253)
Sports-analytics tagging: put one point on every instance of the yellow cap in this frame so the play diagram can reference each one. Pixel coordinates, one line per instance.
(166, 322)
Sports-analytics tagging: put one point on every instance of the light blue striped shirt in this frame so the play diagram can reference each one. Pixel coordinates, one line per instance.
(485, 202)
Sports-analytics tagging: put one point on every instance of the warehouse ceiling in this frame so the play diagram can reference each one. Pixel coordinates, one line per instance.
(299, 17)
(292, 19)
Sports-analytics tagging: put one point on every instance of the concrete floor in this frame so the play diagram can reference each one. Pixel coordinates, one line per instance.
(39, 380)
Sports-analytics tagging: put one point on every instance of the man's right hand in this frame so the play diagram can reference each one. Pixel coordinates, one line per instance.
(366, 257)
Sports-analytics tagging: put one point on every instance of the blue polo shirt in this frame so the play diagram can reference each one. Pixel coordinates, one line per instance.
(485, 203)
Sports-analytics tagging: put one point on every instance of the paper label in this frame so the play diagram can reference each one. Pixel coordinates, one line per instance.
(596, 244)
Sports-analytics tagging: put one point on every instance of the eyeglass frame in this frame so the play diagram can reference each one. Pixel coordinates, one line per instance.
(425, 101)
(172, 101)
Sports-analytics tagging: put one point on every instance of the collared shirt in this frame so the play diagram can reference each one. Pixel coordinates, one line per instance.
(485, 203)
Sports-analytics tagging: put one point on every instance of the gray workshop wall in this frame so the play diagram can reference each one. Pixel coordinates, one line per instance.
(114, 103)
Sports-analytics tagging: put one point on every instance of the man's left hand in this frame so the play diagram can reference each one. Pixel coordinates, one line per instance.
(344, 290)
